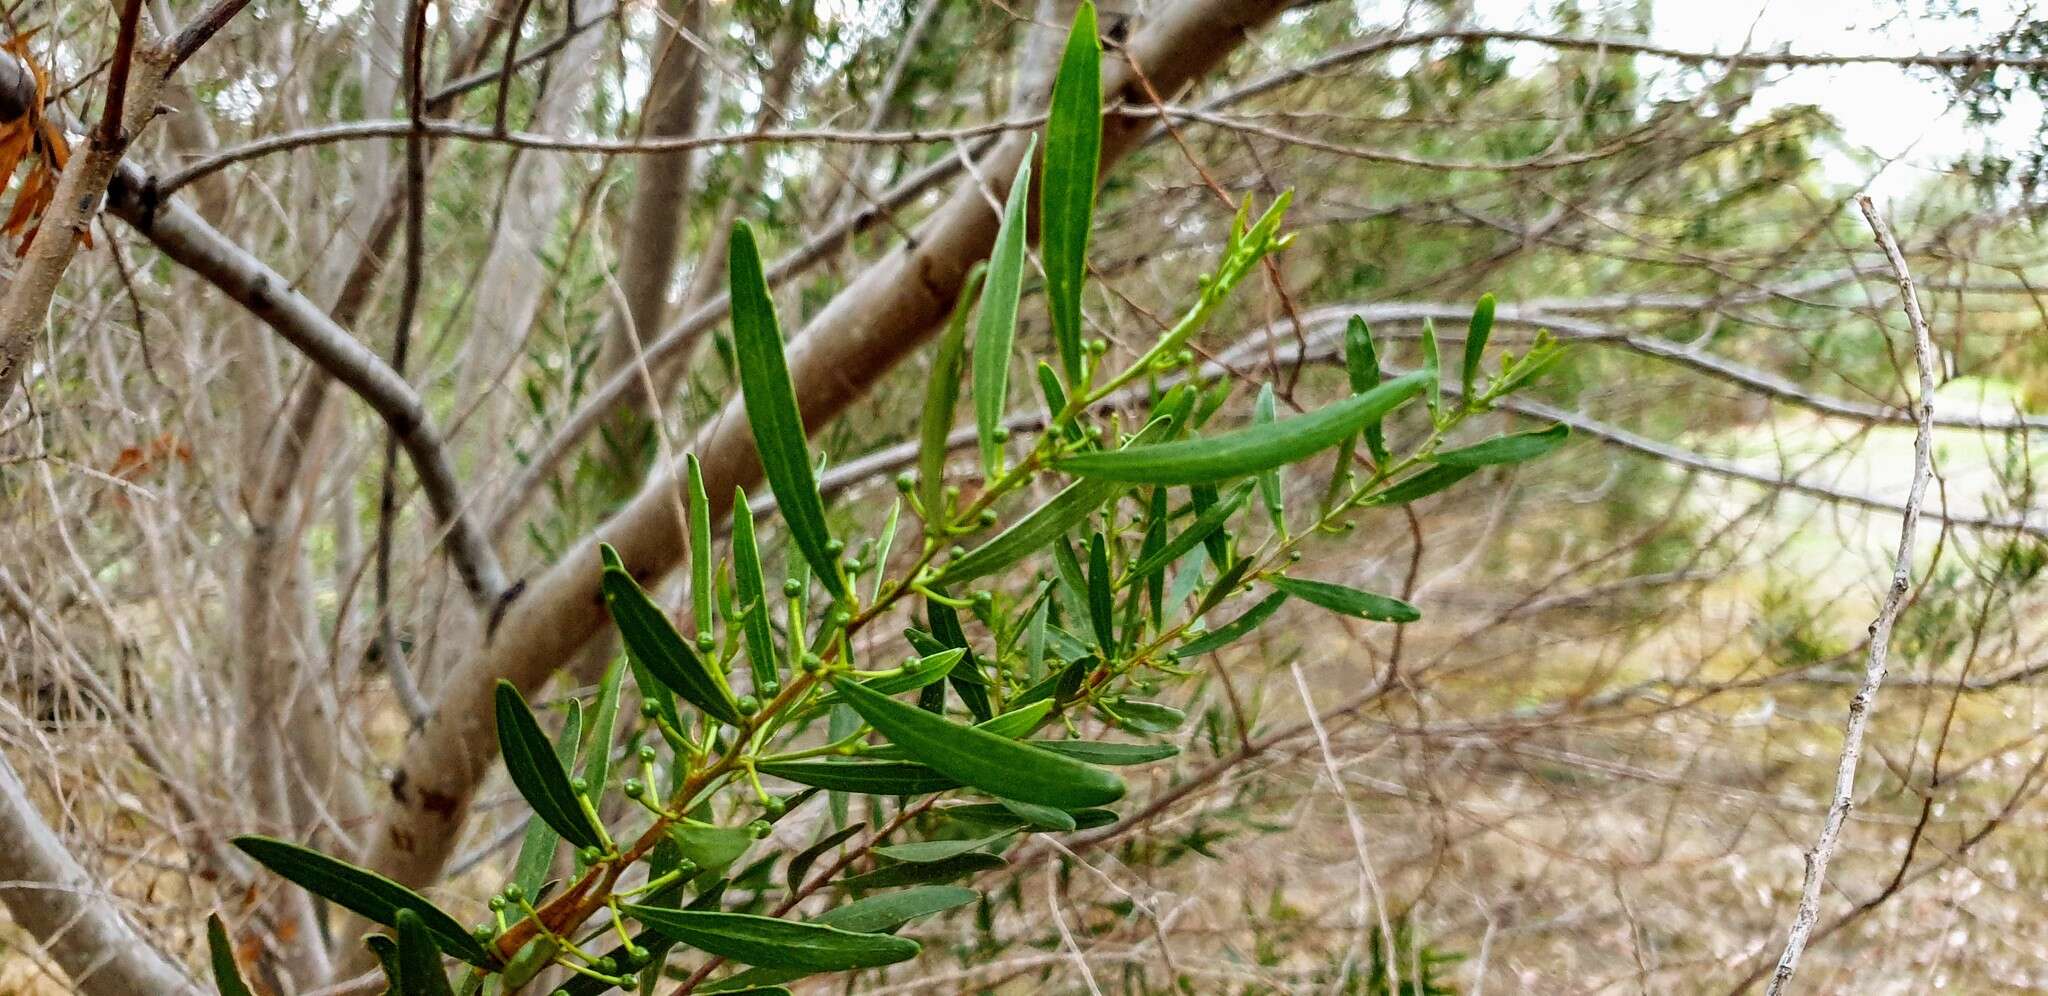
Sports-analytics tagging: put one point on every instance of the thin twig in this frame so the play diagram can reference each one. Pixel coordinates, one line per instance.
(202, 28)
(108, 135)
(1861, 706)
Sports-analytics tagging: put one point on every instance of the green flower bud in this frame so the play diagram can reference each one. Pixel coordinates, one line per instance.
(1000, 434)
(791, 588)
(749, 705)
(835, 547)
(497, 903)
(633, 788)
(987, 517)
(648, 710)
(484, 935)
(580, 785)
(647, 753)
(513, 893)
(706, 642)
(759, 829)
(774, 806)
(906, 481)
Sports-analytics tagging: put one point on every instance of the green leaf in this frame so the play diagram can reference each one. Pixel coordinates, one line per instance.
(1101, 610)
(994, 764)
(941, 393)
(653, 643)
(1148, 717)
(773, 943)
(927, 851)
(1362, 363)
(1418, 486)
(1041, 817)
(1513, 448)
(772, 413)
(1049, 387)
(700, 544)
(1112, 754)
(597, 765)
(1264, 413)
(1030, 534)
(1206, 523)
(1245, 451)
(712, 848)
(930, 668)
(865, 777)
(386, 951)
(1234, 630)
(530, 757)
(915, 873)
(876, 914)
(363, 892)
(1018, 721)
(996, 328)
(537, 851)
(1073, 152)
(1475, 345)
(752, 590)
(1432, 366)
(1348, 601)
(800, 865)
(227, 976)
(873, 915)
(419, 961)
(532, 957)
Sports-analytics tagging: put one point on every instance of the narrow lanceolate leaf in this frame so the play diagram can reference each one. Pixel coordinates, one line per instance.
(363, 892)
(1348, 601)
(773, 943)
(996, 328)
(1041, 817)
(1234, 630)
(1432, 365)
(530, 757)
(1263, 413)
(419, 961)
(227, 976)
(1018, 721)
(1514, 448)
(1245, 451)
(1115, 755)
(1101, 609)
(994, 764)
(1475, 345)
(700, 544)
(1073, 152)
(941, 393)
(1206, 523)
(653, 643)
(604, 717)
(1362, 363)
(928, 851)
(537, 850)
(752, 588)
(866, 777)
(772, 413)
(1148, 717)
(1418, 486)
(873, 915)
(915, 873)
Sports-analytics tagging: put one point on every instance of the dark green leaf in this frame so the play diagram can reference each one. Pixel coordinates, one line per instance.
(1101, 611)
(712, 848)
(1018, 721)
(876, 914)
(966, 677)
(1234, 630)
(1513, 448)
(800, 865)
(915, 873)
(419, 960)
(773, 943)
(1362, 362)
(1264, 413)
(1475, 344)
(1098, 752)
(927, 851)
(1148, 717)
(1348, 601)
(652, 642)
(1049, 387)
(867, 777)
(772, 413)
(700, 543)
(994, 764)
(597, 765)
(1089, 819)
(751, 588)
(537, 850)
(386, 952)
(1073, 150)
(1432, 367)
(530, 758)
(1418, 486)
(1042, 817)
(996, 327)
(363, 892)
(227, 976)
(941, 393)
(1206, 524)
(1244, 451)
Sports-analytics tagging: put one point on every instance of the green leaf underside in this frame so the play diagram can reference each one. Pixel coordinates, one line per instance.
(869, 777)
(1112, 754)
(419, 960)
(1073, 151)
(227, 976)
(773, 943)
(995, 328)
(1475, 343)
(1348, 601)
(1205, 525)
(995, 764)
(916, 873)
(1234, 630)
(927, 851)
(1419, 486)
(873, 915)
(772, 412)
(1244, 451)
(748, 583)
(1514, 448)
(536, 771)
(363, 892)
(652, 642)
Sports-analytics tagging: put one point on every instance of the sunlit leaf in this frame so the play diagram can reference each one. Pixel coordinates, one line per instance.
(941, 393)
(652, 641)
(1234, 630)
(1073, 150)
(1513, 448)
(865, 777)
(227, 976)
(1348, 601)
(996, 327)
(536, 771)
(773, 943)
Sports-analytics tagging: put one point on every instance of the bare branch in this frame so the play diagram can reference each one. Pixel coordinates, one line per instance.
(1861, 706)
